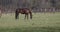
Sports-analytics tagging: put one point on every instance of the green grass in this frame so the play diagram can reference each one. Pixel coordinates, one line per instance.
(48, 22)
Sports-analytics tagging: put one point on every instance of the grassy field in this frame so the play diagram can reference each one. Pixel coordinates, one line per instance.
(48, 22)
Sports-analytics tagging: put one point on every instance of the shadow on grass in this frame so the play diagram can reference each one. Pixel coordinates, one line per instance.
(31, 29)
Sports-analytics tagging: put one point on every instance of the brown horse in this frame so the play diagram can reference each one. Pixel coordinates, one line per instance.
(25, 11)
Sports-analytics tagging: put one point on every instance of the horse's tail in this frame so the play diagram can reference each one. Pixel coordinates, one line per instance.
(31, 15)
(16, 14)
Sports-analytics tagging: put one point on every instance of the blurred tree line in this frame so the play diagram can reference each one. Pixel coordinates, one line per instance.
(33, 4)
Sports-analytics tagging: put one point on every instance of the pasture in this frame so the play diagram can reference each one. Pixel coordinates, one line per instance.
(48, 22)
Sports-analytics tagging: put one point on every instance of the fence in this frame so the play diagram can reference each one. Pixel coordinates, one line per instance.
(47, 10)
(36, 10)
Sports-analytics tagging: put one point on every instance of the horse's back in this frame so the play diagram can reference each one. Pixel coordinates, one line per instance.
(23, 10)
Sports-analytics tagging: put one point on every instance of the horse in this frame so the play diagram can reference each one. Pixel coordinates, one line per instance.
(0, 12)
(24, 11)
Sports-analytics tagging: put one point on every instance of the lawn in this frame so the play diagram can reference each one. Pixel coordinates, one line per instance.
(41, 22)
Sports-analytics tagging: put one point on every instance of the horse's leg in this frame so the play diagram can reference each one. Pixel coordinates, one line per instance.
(17, 15)
(0, 15)
(25, 16)
(30, 15)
